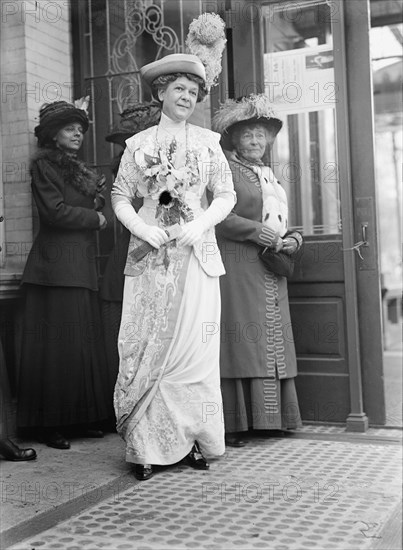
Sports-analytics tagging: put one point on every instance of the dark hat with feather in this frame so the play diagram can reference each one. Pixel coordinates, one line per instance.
(254, 108)
(54, 116)
(135, 118)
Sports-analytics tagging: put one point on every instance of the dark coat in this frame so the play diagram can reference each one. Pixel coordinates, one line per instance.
(254, 300)
(112, 285)
(64, 251)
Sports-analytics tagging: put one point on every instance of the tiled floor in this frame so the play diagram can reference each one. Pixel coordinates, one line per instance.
(393, 432)
(275, 493)
(393, 380)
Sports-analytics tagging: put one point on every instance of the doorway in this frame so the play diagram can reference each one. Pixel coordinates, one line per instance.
(313, 58)
(387, 69)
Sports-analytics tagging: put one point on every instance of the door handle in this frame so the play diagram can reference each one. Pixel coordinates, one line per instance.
(364, 227)
(357, 247)
(363, 242)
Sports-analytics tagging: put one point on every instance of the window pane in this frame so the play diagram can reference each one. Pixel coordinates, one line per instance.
(299, 79)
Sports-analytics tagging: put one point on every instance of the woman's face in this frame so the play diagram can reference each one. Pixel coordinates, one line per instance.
(179, 99)
(252, 141)
(70, 137)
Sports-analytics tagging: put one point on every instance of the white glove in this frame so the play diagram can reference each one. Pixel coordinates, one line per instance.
(191, 233)
(215, 213)
(125, 213)
(152, 234)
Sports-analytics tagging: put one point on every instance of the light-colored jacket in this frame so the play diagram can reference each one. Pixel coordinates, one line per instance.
(214, 176)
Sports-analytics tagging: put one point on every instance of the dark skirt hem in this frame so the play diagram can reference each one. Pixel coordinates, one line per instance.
(245, 407)
(63, 378)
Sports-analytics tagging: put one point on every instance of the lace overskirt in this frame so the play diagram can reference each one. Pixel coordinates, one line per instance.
(167, 393)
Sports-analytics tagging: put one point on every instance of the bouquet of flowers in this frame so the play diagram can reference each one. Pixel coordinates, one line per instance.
(166, 177)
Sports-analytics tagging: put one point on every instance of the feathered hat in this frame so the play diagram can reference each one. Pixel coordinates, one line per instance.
(134, 119)
(251, 108)
(205, 44)
(53, 116)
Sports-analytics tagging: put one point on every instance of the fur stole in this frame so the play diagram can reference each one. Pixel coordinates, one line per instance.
(73, 170)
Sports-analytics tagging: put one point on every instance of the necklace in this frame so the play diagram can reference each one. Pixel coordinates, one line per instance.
(171, 144)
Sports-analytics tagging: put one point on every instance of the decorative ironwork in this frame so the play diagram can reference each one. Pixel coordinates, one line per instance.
(139, 18)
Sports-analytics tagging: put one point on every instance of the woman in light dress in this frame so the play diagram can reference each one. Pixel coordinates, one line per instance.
(167, 395)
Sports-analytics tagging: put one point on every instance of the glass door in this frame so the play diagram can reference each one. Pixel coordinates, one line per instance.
(299, 79)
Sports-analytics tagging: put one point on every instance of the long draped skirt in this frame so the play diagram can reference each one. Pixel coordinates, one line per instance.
(245, 405)
(167, 395)
(63, 378)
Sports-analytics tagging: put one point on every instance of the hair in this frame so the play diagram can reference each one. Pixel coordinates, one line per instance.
(238, 128)
(162, 82)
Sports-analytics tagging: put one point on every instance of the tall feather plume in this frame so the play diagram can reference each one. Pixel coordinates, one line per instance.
(206, 39)
(251, 107)
(82, 103)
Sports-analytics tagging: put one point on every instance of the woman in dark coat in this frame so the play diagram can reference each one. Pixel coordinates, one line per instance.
(257, 361)
(63, 377)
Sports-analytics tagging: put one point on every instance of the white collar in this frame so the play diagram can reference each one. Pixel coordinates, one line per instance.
(171, 125)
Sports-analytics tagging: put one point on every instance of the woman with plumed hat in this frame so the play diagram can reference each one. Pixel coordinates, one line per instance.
(63, 375)
(167, 395)
(134, 119)
(257, 359)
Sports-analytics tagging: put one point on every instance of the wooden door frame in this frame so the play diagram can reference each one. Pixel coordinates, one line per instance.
(357, 420)
(357, 24)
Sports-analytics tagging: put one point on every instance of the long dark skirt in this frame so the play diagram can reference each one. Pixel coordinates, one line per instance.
(63, 378)
(111, 316)
(6, 409)
(245, 405)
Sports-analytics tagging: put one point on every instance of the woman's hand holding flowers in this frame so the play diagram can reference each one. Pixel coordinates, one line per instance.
(191, 233)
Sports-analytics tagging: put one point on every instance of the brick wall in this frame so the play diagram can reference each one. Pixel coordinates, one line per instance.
(36, 68)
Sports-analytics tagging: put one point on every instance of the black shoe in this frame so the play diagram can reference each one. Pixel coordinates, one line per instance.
(195, 459)
(143, 471)
(56, 440)
(10, 451)
(232, 440)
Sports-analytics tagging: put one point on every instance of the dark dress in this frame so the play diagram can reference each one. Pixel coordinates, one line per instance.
(111, 293)
(7, 420)
(63, 377)
(257, 359)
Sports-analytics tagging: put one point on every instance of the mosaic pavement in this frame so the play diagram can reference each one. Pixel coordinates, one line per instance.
(282, 494)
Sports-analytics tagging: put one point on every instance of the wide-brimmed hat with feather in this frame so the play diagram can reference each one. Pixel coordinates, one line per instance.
(53, 116)
(205, 44)
(249, 109)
